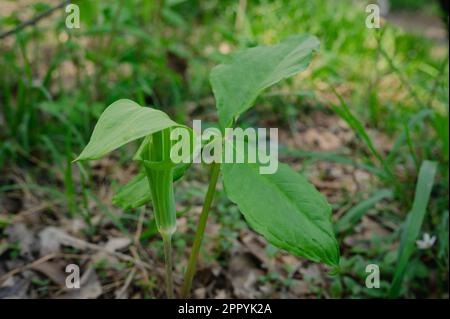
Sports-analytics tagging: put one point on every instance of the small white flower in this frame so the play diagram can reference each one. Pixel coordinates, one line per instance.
(426, 242)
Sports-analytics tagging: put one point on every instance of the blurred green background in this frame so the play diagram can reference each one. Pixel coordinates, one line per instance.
(371, 108)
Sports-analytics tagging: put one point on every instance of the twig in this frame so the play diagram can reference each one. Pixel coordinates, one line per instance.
(240, 15)
(142, 269)
(121, 293)
(34, 20)
(137, 235)
(76, 242)
(81, 244)
(25, 267)
(20, 216)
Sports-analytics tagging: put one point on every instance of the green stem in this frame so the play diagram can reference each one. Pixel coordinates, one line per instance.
(167, 240)
(190, 271)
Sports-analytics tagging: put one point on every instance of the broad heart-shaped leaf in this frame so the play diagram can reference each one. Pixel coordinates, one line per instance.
(285, 208)
(238, 82)
(120, 123)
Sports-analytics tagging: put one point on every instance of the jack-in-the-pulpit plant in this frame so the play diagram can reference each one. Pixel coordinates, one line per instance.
(283, 207)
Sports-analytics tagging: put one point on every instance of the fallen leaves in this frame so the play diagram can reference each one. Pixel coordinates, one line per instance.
(19, 234)
(90, 287)
(244, 276)
(50, 244)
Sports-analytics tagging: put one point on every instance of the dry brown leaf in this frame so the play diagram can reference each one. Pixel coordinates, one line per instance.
(90, 287)
(52, 271)
(244, 276)
(19, 233)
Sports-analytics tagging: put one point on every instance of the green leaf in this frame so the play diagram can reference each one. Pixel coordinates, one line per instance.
(413, 223)
(345, 113)
(136, 192)
(238, 82)
(415, 120)
(122, 122)
(285, 208)
(355, 213)
(89, 11)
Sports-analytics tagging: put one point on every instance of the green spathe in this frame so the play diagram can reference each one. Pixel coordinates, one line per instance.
(159, 169)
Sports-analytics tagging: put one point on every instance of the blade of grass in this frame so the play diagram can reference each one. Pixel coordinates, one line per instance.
(418, 118)
(69, 185)
(443, 239)
(335, 158)
(400, 75)
(411, 148)
(344, 112)
(413, 223)
(353, 215)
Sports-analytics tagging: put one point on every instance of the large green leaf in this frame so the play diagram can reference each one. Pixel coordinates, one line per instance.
(285, 208)
(120, 123)
(238, 82)
(413, 223)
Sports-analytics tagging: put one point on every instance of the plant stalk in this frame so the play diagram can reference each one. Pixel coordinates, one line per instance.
(190, 271)
(167, 240)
